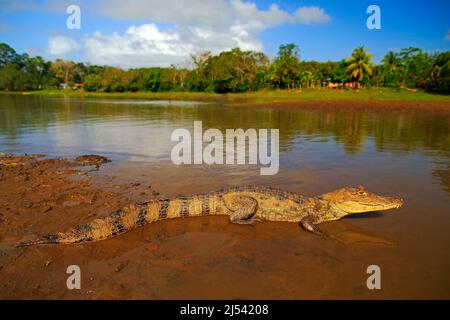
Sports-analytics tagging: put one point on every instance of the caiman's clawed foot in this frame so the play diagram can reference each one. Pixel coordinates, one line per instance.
(308, 225)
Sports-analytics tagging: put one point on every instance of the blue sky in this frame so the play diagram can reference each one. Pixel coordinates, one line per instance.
(136, 33)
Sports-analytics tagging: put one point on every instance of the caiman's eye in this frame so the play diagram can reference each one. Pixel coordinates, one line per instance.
(362, 193)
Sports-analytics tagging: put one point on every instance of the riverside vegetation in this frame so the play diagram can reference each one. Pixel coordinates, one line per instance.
(233, 71)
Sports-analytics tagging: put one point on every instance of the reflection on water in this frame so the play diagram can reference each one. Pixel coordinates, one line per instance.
(147, 102)
(139, 130)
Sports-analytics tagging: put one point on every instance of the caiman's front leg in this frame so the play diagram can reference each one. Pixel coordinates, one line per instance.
(307, 223)
(243, 209)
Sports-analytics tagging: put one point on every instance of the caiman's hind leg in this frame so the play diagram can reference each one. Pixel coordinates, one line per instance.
(243, 209)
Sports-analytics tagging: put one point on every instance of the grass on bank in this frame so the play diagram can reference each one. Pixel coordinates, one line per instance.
(259, 97)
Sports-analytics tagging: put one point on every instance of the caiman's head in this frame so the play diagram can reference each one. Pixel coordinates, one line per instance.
(347, 201)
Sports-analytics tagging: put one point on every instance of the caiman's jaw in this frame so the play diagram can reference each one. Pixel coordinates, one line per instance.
(358, 200)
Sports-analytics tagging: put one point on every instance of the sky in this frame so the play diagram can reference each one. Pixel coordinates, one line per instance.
(144, 33)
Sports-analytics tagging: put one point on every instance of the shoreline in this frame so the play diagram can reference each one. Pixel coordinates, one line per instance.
(369, 100)
(382, 96)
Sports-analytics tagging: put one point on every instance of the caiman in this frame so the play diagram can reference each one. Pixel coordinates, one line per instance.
(244, 205)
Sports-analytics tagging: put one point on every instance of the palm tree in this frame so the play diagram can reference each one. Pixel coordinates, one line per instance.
(407, 56)
(391, 65)
(360, 64)
(391, 61)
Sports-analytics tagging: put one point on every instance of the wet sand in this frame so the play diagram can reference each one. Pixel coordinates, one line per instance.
(208, 258)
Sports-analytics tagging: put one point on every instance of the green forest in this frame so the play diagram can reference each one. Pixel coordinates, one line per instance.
(233, 71)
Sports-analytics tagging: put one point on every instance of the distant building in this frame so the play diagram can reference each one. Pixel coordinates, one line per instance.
(65, 86)
(338, 85)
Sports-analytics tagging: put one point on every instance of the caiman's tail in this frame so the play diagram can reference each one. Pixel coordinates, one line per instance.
(50, 239)
(121, 221)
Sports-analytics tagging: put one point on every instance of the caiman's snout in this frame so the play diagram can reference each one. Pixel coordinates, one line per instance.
(397, 201)
(359, 200)
(381, 203)
(387, 203)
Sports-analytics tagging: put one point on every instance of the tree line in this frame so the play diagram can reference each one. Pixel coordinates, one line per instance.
(233, 71)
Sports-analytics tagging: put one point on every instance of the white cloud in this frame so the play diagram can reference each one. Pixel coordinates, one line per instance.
(216, 13)
(60, 45)
(139, 46)
(197, 25)
(309, 15)
(248, 11)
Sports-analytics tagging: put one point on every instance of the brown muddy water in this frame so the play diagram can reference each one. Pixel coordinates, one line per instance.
(405, 153)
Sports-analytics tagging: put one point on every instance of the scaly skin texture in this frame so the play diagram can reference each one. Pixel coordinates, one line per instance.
(244, 205)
